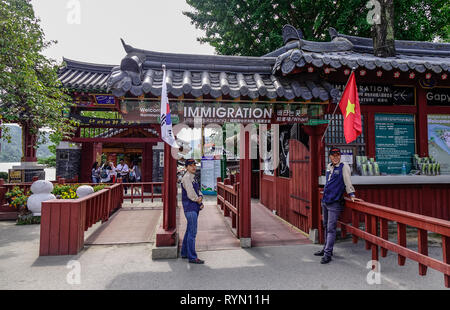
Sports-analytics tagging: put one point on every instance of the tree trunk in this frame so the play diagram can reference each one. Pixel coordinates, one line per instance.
(383, 33)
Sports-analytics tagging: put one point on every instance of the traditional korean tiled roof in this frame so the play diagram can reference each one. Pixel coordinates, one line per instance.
(199, 75)
(85, 76)
(140, 72)
(357, 52)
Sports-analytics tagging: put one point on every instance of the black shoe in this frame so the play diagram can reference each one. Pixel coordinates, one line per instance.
(321, 253)
(325, 260)
(197, 261)
(184, 257)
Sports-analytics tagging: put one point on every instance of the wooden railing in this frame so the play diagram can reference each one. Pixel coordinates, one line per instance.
(63, 222)
(228, 200)
(378, 216)
(146, 190)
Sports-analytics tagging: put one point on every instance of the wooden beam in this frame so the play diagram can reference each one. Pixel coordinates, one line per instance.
(116, 140)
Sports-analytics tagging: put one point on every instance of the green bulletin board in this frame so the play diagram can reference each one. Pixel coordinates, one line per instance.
(394, 142)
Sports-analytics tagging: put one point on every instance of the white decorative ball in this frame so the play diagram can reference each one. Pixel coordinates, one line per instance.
(42, 187)
(34, 202)
(84, 191)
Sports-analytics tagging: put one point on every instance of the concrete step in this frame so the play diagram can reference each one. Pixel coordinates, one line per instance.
(8, 216)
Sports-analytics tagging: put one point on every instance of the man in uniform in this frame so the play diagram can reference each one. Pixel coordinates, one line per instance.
(337, 181)
(192, 204)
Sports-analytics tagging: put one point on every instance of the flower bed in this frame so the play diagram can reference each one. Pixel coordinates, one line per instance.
(17, 199)
(69, 191)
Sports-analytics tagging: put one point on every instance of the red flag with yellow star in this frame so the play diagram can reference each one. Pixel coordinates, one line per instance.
(350, 109)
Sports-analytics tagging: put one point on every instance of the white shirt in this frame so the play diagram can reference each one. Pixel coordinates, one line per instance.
(123, 170)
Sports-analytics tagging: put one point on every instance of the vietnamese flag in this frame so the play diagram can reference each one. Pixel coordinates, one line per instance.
(350, 109)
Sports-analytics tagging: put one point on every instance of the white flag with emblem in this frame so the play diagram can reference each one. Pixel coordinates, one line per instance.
(166, 120)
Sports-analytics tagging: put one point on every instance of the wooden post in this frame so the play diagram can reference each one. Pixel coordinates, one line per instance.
(422, 122)
(166, 234)
(384, 234)
(368, 226)
(401, 240)
(422, 240)
(446, 257)
(245, 190)
(355, 224)
(373, 220)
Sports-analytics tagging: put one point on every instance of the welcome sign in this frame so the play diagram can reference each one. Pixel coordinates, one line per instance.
(221, 113)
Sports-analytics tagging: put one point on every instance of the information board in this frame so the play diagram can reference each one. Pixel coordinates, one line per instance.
(438, 96)
(439, 140)
(394, 142)
(383, 94)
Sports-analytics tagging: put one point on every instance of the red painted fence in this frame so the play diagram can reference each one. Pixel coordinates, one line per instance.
(378, 216)
(63, 222)
(425, 199)
(139, 190)
(228, 200)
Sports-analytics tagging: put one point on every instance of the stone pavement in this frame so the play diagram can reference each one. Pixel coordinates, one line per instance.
(131, 267)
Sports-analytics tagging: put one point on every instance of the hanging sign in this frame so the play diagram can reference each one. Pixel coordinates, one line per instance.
(383, 94)
(104, 100)
(221, 113)
(438, 96)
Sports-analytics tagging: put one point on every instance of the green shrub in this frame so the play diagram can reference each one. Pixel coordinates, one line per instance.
(49, 161)
(99, 187)
(4, 176)
(28, 219)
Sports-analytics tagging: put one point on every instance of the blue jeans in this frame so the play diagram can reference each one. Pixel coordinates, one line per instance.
(330, 214)
(188, 247)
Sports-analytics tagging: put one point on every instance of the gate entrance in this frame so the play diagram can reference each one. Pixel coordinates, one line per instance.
(299, 186)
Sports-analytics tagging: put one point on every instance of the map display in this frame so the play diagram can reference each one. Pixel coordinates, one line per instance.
(439, 140)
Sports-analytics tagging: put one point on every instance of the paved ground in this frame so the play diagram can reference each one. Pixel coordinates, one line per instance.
(127, 226)
(130, 267)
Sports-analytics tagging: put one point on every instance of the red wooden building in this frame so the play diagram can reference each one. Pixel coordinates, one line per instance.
(299, 84)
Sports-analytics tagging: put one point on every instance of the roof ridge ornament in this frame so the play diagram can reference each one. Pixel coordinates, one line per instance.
(127, 48)
(290, 33)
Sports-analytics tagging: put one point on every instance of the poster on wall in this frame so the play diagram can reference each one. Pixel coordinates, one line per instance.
(394, 142)
(267, 156)
(210, 171)
(439, 140)
(285, 135)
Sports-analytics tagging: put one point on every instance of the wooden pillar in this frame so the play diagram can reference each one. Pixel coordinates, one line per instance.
(421, 122)
(245, 176)
(166, 235)
(29, 142)
(87, 160)
(147, 164)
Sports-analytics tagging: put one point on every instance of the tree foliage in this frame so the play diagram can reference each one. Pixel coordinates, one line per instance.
(29, 88)
(253, 27)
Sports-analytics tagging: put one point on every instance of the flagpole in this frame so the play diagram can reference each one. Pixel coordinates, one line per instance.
(337, 105)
